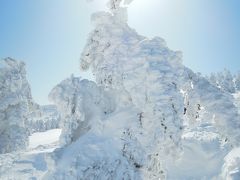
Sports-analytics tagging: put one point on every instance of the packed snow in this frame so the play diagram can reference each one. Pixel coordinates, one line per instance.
(44, 138)
(146, 115)
(31, 163)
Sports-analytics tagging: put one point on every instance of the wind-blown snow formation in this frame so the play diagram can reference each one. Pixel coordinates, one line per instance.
(146, 116)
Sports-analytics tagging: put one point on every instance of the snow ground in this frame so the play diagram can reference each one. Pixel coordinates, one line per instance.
(44, 138)
(30, 164)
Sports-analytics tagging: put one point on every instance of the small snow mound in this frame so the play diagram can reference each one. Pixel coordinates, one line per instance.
(231, 167)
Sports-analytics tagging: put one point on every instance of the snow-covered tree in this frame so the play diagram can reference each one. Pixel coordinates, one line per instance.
(15, 104)
(226, 82)
(81, 104)
(114, 5)
(237, 81)
(147, 71)
(223, 80)
(42, 118)
(156, 99)
(213, 79)
(220, 105)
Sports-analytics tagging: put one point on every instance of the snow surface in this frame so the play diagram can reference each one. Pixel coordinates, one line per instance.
(44, 138)
(31, 163)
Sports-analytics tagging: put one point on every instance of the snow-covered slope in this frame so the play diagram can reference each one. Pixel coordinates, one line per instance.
(31, 163)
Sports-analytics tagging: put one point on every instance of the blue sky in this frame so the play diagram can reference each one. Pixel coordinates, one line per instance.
(49, 34)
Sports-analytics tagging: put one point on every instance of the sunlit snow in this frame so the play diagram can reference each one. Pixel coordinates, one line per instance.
(145, 115)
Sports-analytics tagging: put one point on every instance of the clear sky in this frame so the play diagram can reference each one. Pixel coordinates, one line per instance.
(49, 34)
